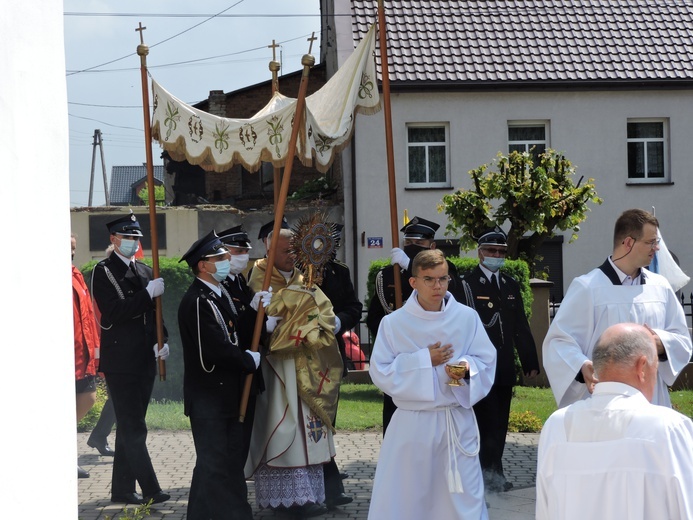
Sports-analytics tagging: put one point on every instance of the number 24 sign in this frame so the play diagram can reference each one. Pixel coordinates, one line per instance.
(375, 242)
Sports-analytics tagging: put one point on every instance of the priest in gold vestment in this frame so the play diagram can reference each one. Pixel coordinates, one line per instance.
(292, 433)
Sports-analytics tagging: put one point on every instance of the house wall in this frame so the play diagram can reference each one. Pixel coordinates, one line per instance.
(589, 127)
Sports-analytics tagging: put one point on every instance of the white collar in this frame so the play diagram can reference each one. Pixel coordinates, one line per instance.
(215, 288)
(488, 272)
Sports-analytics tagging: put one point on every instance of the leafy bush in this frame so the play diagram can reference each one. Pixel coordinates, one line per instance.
(518, 269)
(315, 187)
(524, 422)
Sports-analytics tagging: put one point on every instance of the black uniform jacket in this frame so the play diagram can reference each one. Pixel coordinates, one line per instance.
(215, 361)
(337, 286)
(503, 315)
(385, 290)
(128, 323)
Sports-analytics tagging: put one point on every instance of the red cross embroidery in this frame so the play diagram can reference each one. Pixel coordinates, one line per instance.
(324, 378)
(297, 339)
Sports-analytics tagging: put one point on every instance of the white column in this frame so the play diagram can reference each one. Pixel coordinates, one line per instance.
(38, 474)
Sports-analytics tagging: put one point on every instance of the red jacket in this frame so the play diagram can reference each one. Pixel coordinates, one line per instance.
(85, 326)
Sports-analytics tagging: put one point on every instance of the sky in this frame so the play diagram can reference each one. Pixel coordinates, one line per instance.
(193, 48)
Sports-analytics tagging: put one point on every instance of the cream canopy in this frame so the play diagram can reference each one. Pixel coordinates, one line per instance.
(218, 143)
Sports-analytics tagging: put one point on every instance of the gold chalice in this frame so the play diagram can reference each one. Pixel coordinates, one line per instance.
(458, 371)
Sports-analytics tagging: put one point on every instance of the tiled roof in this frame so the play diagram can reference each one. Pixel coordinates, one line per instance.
(123, 178)
(549, 42)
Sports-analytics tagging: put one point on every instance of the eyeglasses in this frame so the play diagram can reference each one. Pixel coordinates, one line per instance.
(652, 243)
(489, 251)
(431, 282)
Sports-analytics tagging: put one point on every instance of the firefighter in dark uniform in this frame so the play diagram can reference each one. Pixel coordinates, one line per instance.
(419, 235)
(339, 289)
(124, 290)
(497, 298)
(245, 303)
(216, 365)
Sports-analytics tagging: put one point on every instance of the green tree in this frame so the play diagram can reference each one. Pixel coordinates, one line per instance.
(159, 195)
(536, 199)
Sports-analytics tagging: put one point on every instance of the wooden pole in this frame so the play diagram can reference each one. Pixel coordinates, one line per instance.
(142, 51)
(394, 228)
(307, 61)
(274, 67)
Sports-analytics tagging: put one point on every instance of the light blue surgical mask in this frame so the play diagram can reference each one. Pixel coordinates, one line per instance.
(493, 263)
(223, 270)
(128, 247)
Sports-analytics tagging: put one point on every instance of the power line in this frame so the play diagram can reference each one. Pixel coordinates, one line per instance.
(159, 43)
(187, 62)
(198, 15)
(105, 123)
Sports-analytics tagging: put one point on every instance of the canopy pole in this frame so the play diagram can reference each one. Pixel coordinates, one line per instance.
(142, 51)
(394, 229)
(274, 67)
(307, 61)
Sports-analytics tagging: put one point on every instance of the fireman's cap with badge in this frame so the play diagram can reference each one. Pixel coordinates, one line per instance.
(206, 247)
(420, 228)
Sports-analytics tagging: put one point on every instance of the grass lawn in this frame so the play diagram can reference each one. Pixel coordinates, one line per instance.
(360, 408)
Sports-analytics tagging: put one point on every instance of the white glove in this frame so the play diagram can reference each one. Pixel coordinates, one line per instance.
(272, 322)
(155, 287)
(163, 353)
(256, 357)
(337, 324)
(398, 256)
(265, 296)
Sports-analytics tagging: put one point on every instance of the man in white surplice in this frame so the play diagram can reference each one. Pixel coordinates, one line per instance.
(615, 455)
(429, 465)
(620, 290)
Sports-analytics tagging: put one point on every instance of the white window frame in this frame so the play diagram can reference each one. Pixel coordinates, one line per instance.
(666, 179)
(427, 184)
(529, 144)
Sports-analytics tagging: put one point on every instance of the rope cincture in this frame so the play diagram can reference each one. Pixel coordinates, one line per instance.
(454, 478)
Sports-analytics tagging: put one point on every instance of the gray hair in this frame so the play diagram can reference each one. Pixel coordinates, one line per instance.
(283, 232)
(622, 348)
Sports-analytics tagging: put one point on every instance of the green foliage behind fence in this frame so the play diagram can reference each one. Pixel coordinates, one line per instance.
(518, 269)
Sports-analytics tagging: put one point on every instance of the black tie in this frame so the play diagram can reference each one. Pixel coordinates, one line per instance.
(496, 281)
(134, 271)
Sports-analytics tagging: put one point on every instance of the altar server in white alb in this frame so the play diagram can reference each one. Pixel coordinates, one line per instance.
(620, 290)
(429, 463)
(615, 455)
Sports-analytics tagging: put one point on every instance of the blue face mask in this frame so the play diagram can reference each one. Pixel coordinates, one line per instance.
(128, 247)
(223, 270)
(493, 263)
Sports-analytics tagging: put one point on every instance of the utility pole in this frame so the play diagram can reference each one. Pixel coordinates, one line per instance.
(98, 141)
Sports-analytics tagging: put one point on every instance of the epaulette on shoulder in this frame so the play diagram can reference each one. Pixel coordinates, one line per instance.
(340, 263)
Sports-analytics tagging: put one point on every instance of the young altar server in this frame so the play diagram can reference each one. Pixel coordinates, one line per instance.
(429, 464)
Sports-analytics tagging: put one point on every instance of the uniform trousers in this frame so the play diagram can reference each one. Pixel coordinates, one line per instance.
(218, 490)
(130, 394)
(492, 414)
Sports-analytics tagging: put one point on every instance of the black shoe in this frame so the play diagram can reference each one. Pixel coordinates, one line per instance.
(339, 500)
(103, 447)
(507, 486)
(307, 511)
(128, 498)
(344, 475)
(82, 473)
(156, 498)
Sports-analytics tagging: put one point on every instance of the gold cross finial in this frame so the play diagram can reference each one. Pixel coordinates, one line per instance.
(140, 29)
(311, 40)
(274, 51)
